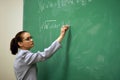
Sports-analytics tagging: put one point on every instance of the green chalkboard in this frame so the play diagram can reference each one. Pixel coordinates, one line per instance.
(91, 47)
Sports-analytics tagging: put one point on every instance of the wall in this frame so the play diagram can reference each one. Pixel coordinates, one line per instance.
(11, 12)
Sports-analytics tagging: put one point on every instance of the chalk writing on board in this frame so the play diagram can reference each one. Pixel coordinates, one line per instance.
(52, 24)
(61, 3)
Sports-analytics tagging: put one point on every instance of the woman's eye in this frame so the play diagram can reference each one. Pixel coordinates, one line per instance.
(29, 38)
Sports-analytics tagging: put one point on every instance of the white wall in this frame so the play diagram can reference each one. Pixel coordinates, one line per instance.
(11, 17)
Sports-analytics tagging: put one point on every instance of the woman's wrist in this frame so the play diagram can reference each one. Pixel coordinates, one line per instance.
(59, 39)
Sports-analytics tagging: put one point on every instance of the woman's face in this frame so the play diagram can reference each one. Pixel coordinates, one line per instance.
(27, 41)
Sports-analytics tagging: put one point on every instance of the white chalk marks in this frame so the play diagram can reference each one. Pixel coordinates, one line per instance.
(60, 3)
(52, 24)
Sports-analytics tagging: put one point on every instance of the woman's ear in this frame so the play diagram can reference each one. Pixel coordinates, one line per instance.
(20, 44)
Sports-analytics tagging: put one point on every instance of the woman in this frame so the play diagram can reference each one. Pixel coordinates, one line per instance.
(24, 65)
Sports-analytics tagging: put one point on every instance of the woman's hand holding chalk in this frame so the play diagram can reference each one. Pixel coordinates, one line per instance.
(64, 28)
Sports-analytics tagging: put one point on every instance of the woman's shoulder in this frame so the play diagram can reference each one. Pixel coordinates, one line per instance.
(22, 53)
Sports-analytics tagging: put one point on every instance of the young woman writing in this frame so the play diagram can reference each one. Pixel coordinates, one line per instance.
(25, 62)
